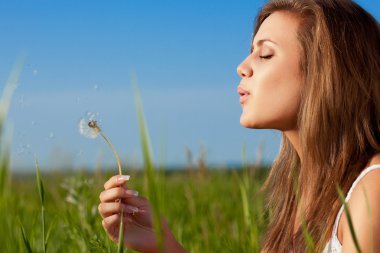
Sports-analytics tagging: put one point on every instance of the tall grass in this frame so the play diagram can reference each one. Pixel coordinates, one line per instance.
(251, 225)
(44, 235)
(5, 143)
(41, 193)
(205, 215)
(5, 102)
(25, 239)
(151, 176)
(349, 218)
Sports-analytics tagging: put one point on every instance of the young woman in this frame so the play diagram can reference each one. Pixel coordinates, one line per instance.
(314, 74)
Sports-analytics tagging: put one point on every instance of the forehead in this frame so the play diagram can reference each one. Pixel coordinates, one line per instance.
(280, 27)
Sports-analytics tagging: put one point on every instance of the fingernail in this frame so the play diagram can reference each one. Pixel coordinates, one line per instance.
(123, 178)
(132, 192)
(131, 209)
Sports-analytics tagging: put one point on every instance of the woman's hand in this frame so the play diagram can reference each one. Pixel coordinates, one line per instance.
(138, 229)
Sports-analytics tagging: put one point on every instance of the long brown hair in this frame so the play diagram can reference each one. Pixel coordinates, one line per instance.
(338, 123)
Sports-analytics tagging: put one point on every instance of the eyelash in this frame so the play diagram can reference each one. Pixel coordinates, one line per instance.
(266, 57)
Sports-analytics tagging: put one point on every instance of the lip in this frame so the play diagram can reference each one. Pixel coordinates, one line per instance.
(243, 94)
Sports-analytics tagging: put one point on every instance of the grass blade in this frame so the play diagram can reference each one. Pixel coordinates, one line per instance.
(4, 169)
(350, 224)
(5, 101)
(40, 186)
(307, 236)
(51, 226)
(41, 193)
(152, 184)
(25, 238)
(120, 248)
(245, 189)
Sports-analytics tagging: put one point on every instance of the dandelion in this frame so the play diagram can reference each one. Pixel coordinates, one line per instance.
(89, 128)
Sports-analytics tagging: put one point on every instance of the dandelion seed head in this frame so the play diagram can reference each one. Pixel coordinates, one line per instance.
(93, 124)
(88, 126)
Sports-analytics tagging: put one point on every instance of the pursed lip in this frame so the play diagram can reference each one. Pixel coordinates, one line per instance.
(243, 94)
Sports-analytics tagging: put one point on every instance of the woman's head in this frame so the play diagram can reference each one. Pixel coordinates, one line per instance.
(271, 80)
(321, 48)
(330, 88)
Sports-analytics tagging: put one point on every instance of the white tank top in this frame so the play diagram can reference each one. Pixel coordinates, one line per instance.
(334, 245)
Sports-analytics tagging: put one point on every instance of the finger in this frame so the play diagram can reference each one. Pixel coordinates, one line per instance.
(132, 193)
(116, 181)
(109, 209)
(135, 201)
(112, 194)
(111, 225)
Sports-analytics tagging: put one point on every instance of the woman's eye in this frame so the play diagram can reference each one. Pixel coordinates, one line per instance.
(266, 56)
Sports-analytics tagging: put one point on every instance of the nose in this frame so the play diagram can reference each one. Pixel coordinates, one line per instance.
(245, 70)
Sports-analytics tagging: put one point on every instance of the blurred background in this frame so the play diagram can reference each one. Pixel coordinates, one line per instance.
(79, 59)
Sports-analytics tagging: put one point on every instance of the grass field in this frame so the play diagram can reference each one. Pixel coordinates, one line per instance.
(205, 209)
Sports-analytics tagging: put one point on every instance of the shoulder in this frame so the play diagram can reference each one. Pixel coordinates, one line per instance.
(364, 208)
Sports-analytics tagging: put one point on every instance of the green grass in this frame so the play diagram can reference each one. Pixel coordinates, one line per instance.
(205, 213)
(349, 218)
(5, 141)
(152, 178)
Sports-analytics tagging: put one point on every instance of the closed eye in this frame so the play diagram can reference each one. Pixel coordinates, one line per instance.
(266, 56)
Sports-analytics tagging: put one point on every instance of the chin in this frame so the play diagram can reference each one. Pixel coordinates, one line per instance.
(250, 122)
(247, 123)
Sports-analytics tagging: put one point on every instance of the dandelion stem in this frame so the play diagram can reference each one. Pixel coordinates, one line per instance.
(113, 149)
(93, 131)
(121, 225)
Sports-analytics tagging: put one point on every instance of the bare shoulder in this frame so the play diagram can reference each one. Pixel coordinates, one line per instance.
(364, 207)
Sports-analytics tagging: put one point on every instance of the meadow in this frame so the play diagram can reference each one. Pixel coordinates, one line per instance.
(208, 209)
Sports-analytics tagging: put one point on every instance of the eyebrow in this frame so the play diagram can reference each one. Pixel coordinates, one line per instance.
(260, 42)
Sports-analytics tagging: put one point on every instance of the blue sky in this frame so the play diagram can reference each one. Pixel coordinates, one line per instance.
(79, 58)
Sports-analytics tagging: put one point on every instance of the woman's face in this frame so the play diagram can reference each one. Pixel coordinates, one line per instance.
(271, 81)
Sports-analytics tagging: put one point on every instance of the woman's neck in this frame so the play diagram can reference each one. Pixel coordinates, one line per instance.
(293, 137)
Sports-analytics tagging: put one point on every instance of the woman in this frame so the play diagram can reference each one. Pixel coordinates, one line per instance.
(314, 74)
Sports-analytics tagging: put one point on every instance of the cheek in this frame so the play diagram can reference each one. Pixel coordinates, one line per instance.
(275, 100)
